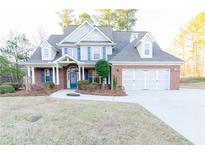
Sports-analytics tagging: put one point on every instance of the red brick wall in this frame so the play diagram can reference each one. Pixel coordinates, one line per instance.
(62, 78)
(174, 73)
(37, 76)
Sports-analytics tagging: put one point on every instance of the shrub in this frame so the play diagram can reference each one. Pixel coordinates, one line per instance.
(86, 85)
(102, 69)
(73, 94)
(92, 86)
(6, 89)
(50, 85)
(16, 85)
(82, 84)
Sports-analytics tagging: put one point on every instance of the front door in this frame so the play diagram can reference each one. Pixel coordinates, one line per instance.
(73, 80)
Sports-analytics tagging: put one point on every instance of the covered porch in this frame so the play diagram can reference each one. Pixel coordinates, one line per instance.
(64, 73)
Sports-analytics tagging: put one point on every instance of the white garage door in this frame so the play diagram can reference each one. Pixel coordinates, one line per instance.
(142, 79)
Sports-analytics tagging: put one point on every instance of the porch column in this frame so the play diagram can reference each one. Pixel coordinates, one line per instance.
(33, 75)
(83, 72)
(29, 72)
(57, 75)
(54, 75)
(79, 73)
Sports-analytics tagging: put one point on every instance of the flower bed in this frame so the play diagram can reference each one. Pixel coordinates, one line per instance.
(34, 92)
(105, 92)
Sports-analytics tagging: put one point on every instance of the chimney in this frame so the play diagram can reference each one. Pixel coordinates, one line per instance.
(133, 36)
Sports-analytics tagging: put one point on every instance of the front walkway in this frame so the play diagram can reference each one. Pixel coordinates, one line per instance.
(183, 110)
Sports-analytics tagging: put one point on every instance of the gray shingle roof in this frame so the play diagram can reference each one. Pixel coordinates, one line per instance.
(53, 39)
(130, 53)
(122, 51)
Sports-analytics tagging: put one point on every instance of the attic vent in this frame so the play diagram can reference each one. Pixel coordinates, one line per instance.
(133, 36)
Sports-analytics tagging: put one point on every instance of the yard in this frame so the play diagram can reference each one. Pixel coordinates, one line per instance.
(193, 83)
(45, 120)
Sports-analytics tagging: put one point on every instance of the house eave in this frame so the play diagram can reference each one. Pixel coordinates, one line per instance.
(147, 62)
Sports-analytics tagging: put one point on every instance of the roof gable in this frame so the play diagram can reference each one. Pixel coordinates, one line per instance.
(78, 33)
(66, 58)
(95, 35)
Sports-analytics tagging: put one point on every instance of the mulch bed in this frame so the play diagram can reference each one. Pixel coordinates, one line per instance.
(22, 92)
(101, 92)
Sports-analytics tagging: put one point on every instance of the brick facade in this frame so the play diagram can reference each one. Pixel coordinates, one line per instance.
(62, 77)
(116, 71)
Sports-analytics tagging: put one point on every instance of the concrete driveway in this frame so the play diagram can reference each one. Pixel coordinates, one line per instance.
(183, 110)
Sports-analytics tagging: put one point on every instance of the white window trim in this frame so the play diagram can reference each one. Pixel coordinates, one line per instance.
(143, 49)
(46, 53)
(72, 51)
(45, 74)
(43, 53)
(92, 52)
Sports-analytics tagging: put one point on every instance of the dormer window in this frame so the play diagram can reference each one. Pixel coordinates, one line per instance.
(147, 49)
(147, 52)
(46, 53)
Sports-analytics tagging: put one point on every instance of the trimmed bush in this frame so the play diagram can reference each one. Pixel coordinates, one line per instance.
(92, 86)
(83, 82)
(86, 85)
(16, 85)
(50, 85)
(6, 89)
(73, 94)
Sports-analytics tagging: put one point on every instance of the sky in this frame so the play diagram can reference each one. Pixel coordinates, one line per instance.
(163, 23)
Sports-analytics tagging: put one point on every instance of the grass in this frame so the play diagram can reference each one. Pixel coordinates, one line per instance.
(45, 120)
(194, 83)
(193, 80)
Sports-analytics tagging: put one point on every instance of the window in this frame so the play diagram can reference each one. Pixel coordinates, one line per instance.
(104, 52)
(47, 75)
(96, 53)
(147, 49)
(46, 54)
(65, 50)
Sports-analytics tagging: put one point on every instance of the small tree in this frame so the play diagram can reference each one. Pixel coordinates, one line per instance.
(16, 50)
(102, 69)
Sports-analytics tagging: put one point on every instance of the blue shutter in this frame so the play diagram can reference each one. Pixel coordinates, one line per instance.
(51, 74)
(42, 76)
(104, 52)
(86, 74)
(78, 53)
(89, 53)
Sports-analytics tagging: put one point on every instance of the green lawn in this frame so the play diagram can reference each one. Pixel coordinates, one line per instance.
(45, 120)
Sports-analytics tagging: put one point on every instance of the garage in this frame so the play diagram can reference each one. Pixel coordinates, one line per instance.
(146, 79)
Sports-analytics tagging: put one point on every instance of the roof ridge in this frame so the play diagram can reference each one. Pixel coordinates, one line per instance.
(130, 31)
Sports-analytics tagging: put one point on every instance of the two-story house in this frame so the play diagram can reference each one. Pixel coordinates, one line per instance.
(135, 59)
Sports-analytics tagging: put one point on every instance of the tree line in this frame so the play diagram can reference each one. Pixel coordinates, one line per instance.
(118, 19)
(190, 46)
